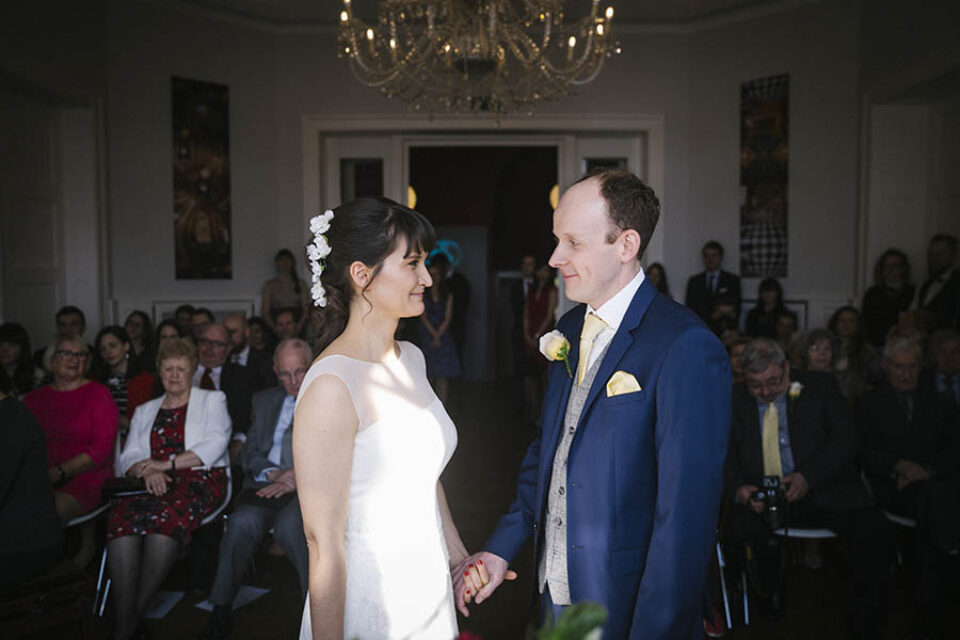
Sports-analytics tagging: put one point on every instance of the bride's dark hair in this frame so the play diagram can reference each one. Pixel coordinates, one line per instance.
(366, 230)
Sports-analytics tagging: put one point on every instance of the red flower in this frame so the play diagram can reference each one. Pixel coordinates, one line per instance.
(466, 635)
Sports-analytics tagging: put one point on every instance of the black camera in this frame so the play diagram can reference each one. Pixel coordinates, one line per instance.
(771, 493)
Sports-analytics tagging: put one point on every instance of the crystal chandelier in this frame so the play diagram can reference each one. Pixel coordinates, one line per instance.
(495, 56)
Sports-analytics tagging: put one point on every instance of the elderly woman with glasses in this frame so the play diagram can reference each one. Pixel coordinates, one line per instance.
(79, 420)
(178, 446)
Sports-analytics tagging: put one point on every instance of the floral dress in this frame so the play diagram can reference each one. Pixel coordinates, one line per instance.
(192, 494)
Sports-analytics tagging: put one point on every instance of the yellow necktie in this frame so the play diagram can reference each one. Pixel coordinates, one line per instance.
(771, 442)
(592, 327)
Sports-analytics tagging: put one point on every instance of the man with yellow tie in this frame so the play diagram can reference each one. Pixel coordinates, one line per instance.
(620, 492)
(797, 427)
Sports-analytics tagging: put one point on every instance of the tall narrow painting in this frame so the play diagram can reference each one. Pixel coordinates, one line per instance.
(201, 179)
(764, 160)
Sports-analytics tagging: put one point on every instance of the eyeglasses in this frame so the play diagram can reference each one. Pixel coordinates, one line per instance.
(68, 355)
(292, 375)
(771, 383)
(203, 342)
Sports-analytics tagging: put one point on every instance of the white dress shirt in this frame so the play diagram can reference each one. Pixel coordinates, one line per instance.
(612, 312)
(214, 375)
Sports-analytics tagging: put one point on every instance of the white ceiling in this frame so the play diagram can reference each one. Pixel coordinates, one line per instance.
(317, 12)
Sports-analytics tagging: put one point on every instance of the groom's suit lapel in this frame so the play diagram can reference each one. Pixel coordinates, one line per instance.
(620, 343)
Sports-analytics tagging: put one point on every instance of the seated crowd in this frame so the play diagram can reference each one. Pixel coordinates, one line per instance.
(836, 427)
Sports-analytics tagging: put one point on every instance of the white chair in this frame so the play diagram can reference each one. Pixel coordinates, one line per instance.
(723, 590)
(88, 516)
(104, 581)
(804, 533)
(901, 521)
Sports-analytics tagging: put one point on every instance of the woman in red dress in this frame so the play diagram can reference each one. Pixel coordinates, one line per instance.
(178, 445)
(539, 317)
(79, 421)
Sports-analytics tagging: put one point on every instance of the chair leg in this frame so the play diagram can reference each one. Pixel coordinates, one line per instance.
(103, 603)
(746, 604)
(723, 585)
(97, 595)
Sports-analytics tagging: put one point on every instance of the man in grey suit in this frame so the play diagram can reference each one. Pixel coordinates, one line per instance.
(268, 499)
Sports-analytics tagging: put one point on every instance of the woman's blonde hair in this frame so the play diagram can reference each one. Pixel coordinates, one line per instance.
(179, 348)
(55, 345)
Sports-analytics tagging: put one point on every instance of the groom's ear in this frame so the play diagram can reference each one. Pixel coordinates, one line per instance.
(630, 245)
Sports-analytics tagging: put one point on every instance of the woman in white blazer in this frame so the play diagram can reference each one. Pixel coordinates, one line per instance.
(178, 446)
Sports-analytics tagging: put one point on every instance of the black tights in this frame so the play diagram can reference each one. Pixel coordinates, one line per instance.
(138, 564)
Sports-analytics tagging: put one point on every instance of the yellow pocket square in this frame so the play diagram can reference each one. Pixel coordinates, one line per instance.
(620, 383)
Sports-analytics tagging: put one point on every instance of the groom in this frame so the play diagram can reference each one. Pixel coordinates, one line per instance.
(620, 492)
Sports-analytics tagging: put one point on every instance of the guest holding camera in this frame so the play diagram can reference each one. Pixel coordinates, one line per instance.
(178, 446)
(794, 431)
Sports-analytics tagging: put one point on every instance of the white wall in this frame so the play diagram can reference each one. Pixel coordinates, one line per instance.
(693, 80)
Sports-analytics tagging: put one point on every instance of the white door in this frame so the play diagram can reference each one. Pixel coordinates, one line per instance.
(357, 166)
(30, 216)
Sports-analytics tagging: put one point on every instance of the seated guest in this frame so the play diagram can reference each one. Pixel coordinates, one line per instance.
(889, 296)
(168, 330)
(217, 373)
(201, 318)
(70, 321)
(855, 354)
(713, 282)
(31, 534)
(911, 457)
(939, 294)
(658, 278)
(726, 307)
(944, 376)
(286, 291)
(819, 352)
(17, 372)
(114, 367)
(178, 446)
(139, 329)
(79, 419)
(796, 428)
(785, 328)
(261, 336)
(268, 499)
(242, 354)
(184, 317)
(735, 350)
(725, 328)
(762, 319)
(285, 324)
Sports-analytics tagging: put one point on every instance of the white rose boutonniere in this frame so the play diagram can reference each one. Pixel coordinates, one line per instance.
(795, 389)
(555, 346)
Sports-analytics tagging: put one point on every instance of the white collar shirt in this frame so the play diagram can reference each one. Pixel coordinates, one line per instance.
(612, 312)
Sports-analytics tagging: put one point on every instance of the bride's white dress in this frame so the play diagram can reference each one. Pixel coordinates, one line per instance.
(398, 580)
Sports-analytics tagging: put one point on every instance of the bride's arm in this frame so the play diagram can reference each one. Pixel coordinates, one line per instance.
(326, 424)
(455, 547)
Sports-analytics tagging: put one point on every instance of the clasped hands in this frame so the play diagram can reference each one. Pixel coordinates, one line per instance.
(908, 472)
(476, 577)
(154, 474)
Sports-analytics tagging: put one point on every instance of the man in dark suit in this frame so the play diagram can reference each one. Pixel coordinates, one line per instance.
(797, 428)
(911, 459)
(215, 371)
(620, 492)
(939, 294)
(268, 499)
(944, 376)
(259, 362)
(713, 284)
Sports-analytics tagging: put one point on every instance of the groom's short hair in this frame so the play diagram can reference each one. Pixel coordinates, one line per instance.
(631, 204)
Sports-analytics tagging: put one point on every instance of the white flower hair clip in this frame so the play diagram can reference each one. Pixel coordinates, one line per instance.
(316, 252)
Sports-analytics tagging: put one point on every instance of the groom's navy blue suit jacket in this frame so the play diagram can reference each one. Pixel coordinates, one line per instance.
(644, 472)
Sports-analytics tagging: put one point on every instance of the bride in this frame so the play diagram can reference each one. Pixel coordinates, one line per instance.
(372, 438)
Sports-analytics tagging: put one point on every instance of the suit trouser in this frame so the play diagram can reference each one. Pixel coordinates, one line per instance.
(248, 525)
(871, 540)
